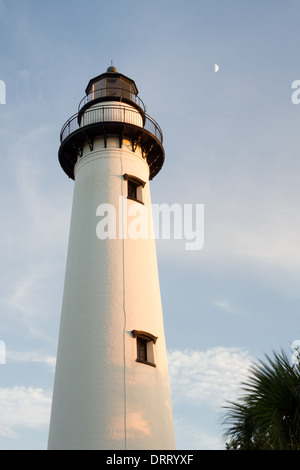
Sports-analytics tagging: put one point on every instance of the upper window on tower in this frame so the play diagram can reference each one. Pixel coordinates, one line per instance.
(134, 188)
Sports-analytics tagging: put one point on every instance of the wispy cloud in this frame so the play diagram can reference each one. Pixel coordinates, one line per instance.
(23, 407)
(34, 236)
(224, 306)
(208, 377)
(31, 357)
(201, 383)
(26, 299)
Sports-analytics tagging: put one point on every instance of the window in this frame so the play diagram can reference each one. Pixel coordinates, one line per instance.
(112, 86)
(134, 188)
(97, 90)
(126, 89)
(141, 349)
(145, 347)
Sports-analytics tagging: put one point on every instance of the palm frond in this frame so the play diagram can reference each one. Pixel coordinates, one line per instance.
(268, 412)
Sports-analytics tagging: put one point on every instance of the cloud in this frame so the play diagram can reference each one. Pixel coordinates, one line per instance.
(44, 213)
(34, 236)
(21, 294)
(23, 407)
(26, 299)
(25, 74)
(7, 432)
(26, 293)
(31, 356)
(201, 384)
(223, 305)
(208, 377)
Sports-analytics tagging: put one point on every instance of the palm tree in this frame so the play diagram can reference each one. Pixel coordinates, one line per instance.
(267, 416)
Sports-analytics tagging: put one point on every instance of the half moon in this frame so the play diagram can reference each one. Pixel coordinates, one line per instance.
(216, 67)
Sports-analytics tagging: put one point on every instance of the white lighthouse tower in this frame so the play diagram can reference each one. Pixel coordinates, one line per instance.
(111, 388)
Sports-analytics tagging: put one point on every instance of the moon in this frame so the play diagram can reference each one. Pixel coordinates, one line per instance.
(216, 67)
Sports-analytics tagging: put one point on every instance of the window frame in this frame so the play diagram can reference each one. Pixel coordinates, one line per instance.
(132, 188)
(139, 185)
(147, 340)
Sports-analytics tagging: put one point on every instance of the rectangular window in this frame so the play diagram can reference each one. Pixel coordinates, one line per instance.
(145, 347)
(112, 86)
(97, 90)
(141, 350)
(126, 89)
(134, 188)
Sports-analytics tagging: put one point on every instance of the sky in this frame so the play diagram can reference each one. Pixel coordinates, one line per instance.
(231, 140)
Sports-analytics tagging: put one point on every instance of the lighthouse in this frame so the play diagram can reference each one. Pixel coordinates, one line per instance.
(111, 387)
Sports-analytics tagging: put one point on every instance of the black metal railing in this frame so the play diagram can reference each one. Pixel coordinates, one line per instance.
(112, 92)
(111, 113)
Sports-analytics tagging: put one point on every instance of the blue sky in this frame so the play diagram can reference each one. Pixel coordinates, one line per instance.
(232, 143)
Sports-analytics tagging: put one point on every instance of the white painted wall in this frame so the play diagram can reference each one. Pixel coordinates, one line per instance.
(103, 398)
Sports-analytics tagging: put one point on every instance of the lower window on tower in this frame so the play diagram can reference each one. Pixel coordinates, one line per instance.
(145, 347)
(141, 349)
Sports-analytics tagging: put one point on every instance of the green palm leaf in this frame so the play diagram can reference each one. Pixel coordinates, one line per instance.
(267, 415)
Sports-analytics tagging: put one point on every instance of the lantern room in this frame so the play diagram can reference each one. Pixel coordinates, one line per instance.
(112, 86)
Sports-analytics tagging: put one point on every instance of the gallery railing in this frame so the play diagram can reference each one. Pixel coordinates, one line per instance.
(111, 113)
